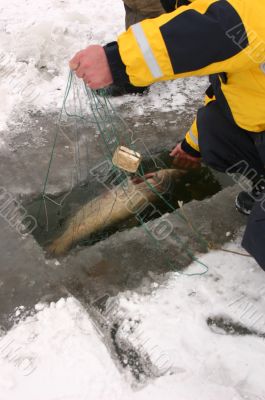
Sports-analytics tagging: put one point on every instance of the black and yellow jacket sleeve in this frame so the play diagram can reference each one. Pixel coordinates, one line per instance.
(207, 37)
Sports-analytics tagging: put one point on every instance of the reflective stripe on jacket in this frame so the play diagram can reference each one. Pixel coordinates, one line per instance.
(208, 37)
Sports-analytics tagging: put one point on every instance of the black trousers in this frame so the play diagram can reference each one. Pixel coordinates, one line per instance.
(227, 148)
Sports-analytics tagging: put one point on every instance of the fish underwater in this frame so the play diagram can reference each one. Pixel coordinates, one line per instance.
(113, 207)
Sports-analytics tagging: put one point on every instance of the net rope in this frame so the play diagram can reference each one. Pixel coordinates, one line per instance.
(82, 105)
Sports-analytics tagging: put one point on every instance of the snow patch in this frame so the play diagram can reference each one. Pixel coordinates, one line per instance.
(57, 354)
(37, 40)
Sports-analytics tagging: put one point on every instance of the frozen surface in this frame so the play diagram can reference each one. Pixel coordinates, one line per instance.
(43, 356)
(58, 353)
(37, 39)
(170, 326)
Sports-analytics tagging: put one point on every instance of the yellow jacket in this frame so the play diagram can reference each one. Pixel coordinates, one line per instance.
(221, 38)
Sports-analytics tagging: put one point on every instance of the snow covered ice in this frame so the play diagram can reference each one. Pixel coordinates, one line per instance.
(63, 355)
(65, 358)
(58, 353)
(38, 39)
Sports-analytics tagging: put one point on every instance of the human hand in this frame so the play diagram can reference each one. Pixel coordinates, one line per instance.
(92, 66)
(183, 160)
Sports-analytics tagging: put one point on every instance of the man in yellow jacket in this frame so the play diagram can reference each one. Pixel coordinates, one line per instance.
(221, 38)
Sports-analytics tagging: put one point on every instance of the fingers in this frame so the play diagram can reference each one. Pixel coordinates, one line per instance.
(74, 63)
(175, 151)
(83, 72)
(183, 159)
(92, 66)
(80, 64)
(185, 163)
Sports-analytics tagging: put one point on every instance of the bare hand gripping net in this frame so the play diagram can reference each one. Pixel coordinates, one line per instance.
(104, 183)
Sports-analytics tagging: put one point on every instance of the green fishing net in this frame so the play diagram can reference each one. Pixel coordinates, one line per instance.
(81, 168)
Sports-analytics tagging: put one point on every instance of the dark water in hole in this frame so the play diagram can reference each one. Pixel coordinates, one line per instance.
(198, 185)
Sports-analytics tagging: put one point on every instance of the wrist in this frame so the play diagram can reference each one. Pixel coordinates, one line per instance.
(117, 67)
(189, 150)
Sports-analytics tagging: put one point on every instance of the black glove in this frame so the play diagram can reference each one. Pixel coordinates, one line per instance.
(169, 5)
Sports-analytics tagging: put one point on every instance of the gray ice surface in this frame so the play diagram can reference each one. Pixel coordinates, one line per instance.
(123, 261)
